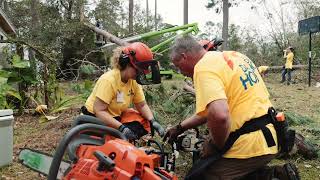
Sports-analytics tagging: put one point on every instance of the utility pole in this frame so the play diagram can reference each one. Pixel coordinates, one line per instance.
(147, 4)
(185, 12)
(155, 15)
(130, 16)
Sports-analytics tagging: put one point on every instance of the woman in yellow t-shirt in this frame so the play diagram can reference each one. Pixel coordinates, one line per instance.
(120, 87)
(288, 54)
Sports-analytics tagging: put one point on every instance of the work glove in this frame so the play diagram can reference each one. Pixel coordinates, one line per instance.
(173, 133)
(127, 132)
(157, 127)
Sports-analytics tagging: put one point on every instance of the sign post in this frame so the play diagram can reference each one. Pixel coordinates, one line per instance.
(309, 54)
(309, 26)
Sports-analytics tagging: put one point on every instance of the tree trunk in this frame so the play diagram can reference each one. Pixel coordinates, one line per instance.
(81, 12)
(45, 79)
(147, 5)
(35, 20)
(22, 87)
(155, 15)
(4, 5)
(185, 12)
(130, 17)
(225, 9)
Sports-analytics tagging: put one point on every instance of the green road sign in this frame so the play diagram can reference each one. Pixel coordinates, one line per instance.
(309, 25)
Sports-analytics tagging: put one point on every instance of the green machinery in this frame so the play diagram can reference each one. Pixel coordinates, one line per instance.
(161, 47)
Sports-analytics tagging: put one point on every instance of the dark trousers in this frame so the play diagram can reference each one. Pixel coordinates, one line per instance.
(230, 168)
(284, 72)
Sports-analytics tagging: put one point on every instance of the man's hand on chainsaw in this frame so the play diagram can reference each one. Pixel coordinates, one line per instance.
(157, 127)
(173, 133)
(127, 132)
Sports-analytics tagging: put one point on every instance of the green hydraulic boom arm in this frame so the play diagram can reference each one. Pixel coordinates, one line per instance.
(185, 29)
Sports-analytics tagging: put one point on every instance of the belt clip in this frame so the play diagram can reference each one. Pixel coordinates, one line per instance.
(272, 113)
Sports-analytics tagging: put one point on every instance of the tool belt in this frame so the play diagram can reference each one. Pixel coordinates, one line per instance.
(285, 139)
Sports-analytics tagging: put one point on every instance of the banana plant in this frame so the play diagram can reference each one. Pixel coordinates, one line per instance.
(14, 82)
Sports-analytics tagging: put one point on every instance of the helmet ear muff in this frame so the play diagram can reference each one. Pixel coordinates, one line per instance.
(124, 60)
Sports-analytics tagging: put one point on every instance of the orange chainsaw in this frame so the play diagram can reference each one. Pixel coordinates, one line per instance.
(98, 152)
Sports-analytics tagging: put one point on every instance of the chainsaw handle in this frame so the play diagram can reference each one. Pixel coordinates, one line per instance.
(105, 163)
(151, 141)
(72, 133)
(83, 119)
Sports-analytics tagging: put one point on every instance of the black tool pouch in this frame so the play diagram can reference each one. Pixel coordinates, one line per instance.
(285, 135)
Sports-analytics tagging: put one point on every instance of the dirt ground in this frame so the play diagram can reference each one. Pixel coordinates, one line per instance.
(298, 98)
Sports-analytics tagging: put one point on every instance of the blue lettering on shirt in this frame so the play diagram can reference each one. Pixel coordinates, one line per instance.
(250, 77)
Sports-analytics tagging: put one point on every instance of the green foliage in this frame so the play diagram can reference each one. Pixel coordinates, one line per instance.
(5, 91)
(295, 119)
(182, 104)
(154, 94)
(83, 89)
(66, 102)
(17, 62)
(17, 75)
(234, 41)
(211, 30)
(87, 69)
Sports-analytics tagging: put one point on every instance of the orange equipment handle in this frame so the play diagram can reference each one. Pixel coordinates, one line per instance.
(280, 116)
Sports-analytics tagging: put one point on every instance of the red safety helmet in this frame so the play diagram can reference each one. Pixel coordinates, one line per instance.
(211, 45)
(140, 57)
(138, 52)
(206, 44)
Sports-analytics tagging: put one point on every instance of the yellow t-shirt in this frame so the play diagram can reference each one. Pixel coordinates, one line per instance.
(232, 76)
(289, 61)
(118, 95)
(262, 69)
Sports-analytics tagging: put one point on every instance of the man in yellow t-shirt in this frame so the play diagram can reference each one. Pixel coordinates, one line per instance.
(288, 55)
(229, 93)
(263, 70)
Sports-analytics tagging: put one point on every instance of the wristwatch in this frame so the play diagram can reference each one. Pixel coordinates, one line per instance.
(180, 129)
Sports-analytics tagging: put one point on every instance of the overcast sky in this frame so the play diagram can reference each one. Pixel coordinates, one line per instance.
(172, 12)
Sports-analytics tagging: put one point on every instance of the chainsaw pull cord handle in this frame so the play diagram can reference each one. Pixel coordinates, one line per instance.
(72, 133)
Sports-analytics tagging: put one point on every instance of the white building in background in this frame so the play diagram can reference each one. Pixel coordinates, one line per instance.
(6, 30)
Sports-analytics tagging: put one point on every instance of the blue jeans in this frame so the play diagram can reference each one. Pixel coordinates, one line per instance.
(284, 72)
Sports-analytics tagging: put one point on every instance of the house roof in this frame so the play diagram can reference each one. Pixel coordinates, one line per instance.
(6, 24)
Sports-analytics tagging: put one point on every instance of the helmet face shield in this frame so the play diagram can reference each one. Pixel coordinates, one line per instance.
(148, 72)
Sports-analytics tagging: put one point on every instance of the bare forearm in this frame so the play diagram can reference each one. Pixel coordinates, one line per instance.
(219, 131)
(219, 121)
(145, 111)
(108, 119)
(193, 122)
(99, 108)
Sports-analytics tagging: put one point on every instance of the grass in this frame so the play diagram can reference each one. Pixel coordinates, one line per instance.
(299, 101)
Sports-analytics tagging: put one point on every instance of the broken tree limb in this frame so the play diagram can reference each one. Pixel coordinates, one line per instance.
(106, 34)
(37, 50)
(275, 68)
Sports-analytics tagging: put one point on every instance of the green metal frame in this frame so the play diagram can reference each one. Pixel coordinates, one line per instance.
(186, 29)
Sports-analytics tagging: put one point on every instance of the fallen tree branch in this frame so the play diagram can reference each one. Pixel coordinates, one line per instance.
(37, 50)
(106, 34)
(294, 66)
